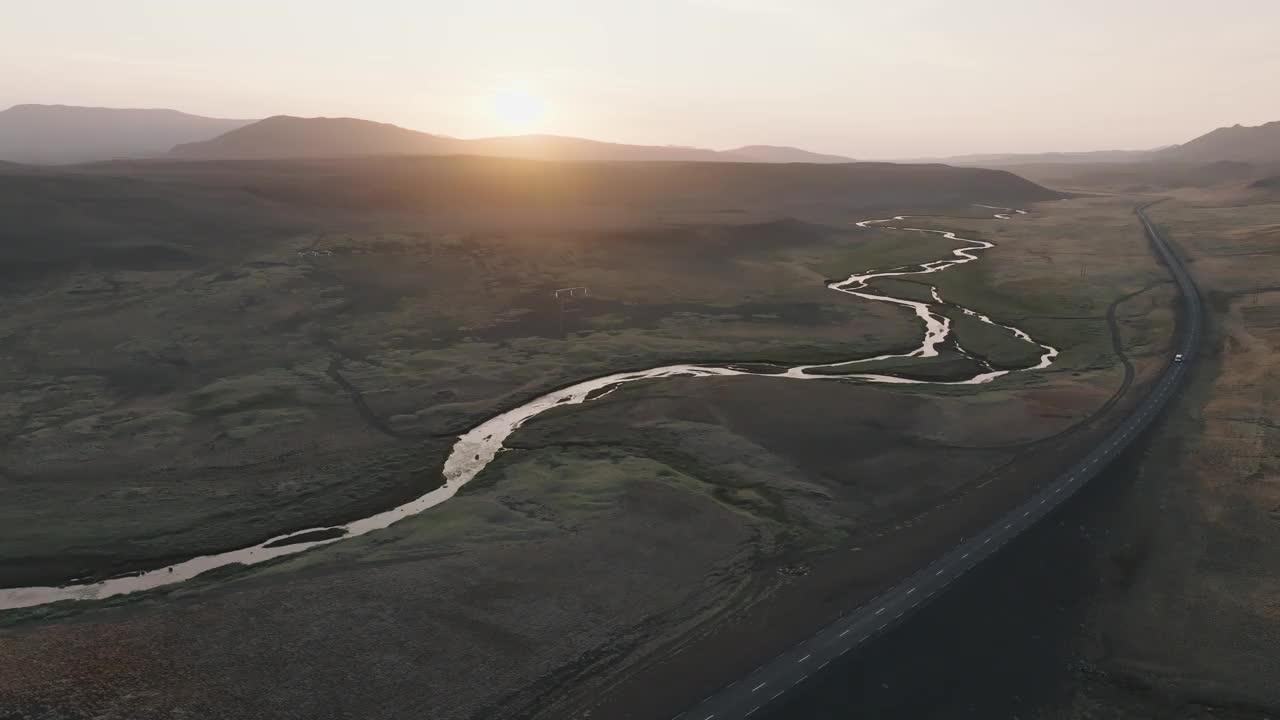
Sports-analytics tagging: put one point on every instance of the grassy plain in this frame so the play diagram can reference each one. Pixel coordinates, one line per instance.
(213, 395)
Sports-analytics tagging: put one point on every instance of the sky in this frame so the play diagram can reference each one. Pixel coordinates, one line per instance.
(868, 79)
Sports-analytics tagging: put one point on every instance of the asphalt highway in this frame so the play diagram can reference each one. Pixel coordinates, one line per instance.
(783, 673)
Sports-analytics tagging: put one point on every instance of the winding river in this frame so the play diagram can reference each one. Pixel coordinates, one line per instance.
(477, 448)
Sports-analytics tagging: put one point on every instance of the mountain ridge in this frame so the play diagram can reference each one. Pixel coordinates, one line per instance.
(1238, 143)
(54, 134)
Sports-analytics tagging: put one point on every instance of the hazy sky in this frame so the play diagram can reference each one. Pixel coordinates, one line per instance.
(878, 78)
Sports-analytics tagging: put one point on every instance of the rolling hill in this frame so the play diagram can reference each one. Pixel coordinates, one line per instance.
(284, 136)
(294, 137)
(783, 154)
(70, 134)
(571, 149)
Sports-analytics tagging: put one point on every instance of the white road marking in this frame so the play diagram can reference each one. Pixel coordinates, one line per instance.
(880, 611)
(775, 695)
(824, 664)
(984, 542)
(846, 632)
(938, 573)
(806, 657)
(964, 556)
(759, 686)
(752, 711)
(911, 591)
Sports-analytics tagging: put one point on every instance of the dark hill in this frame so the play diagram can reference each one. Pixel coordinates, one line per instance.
(170, 214)
(478, 190)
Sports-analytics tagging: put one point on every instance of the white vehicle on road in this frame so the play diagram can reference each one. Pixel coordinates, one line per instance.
(1177, 358)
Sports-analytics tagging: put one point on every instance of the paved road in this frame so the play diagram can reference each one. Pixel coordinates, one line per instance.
(781, 674)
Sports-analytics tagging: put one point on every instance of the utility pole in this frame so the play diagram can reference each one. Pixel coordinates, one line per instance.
(565, 296)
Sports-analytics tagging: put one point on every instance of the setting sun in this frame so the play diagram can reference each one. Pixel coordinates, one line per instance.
(517, 112)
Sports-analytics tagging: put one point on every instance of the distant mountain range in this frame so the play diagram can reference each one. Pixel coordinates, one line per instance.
(53, 134)
(47, 134)
(285, 136)
(1011, 159)
(1258, 144)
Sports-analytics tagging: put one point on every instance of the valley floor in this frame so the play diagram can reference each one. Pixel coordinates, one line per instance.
(624, 556)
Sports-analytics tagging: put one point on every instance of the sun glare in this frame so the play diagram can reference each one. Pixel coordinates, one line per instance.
(518, 112)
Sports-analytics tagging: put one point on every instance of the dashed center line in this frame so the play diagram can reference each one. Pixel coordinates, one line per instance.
(759, 686)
